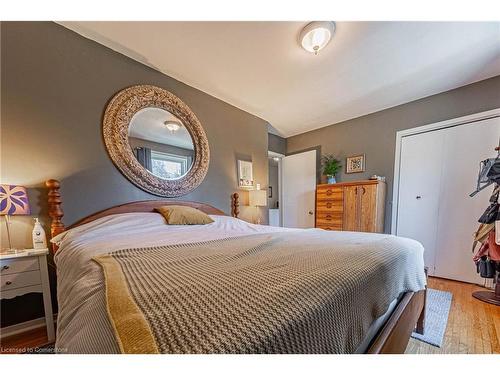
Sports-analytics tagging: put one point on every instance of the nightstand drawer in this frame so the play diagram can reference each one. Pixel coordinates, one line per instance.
(19, 280)
(9, 266)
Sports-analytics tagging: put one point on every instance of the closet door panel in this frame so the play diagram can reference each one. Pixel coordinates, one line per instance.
(368, 207)
(464, 147)
(419, 187)
(351, 208)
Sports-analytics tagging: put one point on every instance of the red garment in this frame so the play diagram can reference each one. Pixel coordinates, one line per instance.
(489, 248)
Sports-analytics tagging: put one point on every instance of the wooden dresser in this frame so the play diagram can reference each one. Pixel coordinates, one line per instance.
(352, 206)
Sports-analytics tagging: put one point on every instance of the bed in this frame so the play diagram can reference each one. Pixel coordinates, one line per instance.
(129, 283)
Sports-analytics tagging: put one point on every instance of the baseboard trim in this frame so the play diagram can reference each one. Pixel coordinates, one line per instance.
(16, 329)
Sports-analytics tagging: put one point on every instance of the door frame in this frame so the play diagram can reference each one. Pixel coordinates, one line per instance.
(425, 129)
(280, 184)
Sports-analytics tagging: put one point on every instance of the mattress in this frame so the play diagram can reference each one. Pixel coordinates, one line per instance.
(83, 323)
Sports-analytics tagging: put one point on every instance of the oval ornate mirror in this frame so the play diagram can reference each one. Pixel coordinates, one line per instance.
(156, 141)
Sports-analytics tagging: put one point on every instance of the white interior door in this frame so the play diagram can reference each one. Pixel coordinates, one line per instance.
(419, 187)
(464, 147)
(298, 178)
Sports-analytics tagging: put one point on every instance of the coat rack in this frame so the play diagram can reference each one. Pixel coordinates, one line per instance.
(492, 297)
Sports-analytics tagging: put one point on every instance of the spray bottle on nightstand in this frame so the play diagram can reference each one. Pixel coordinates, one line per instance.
(39, 237)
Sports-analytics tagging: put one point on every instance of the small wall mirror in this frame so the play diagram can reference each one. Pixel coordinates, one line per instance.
(156, 141)
(161, 143)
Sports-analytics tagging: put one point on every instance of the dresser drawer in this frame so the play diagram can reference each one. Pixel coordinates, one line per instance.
(329, 216)
(330, 227)
(19, 280)
(9, 266)
(329, 206)
(330, 193)
(332, 221)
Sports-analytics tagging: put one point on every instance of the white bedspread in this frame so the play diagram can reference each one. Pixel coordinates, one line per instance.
(125, 231)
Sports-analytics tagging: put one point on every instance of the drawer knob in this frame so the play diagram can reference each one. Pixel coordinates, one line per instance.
(8, 282)
(5, 267)
(328, 205)
(328, 217)
(328, 192)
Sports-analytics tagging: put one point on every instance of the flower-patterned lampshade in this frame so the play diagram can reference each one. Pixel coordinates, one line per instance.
(13, 200)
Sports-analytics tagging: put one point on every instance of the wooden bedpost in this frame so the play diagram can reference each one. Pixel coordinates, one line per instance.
(55, 211)
(235, 205)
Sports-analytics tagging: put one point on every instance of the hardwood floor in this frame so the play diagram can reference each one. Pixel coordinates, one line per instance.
(473, 326)
(29, 341)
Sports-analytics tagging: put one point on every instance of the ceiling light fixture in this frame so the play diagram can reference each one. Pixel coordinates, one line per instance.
(316, 35)
(172, 126)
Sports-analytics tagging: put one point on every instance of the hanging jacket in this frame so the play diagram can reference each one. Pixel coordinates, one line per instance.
(481, 235)
(488, 248)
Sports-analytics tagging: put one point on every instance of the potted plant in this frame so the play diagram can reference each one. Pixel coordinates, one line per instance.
(331, 166)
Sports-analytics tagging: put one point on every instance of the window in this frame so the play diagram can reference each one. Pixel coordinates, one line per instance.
(169, 166)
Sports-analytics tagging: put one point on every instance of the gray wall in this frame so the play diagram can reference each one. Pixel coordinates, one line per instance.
(55, 85)
(375, 134)
(277, 143)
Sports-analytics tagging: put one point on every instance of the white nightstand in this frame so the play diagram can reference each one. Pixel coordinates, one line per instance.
(26, 272)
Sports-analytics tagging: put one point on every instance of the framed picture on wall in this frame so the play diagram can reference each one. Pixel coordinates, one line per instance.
(245, 174)
(355, 164)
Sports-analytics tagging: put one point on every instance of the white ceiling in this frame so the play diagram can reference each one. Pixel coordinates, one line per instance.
(260, 68)
(148, 124)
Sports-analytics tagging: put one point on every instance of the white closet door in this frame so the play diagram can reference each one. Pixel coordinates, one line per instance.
(419, 186)
(464, 147)
(299, 189)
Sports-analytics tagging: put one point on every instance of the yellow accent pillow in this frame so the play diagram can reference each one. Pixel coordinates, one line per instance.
(183, 215)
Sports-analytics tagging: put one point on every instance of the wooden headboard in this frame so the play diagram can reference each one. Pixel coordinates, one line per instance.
(56, 213)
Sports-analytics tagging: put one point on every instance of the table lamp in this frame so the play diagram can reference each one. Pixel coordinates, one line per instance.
(13, 201)
(257, 198)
